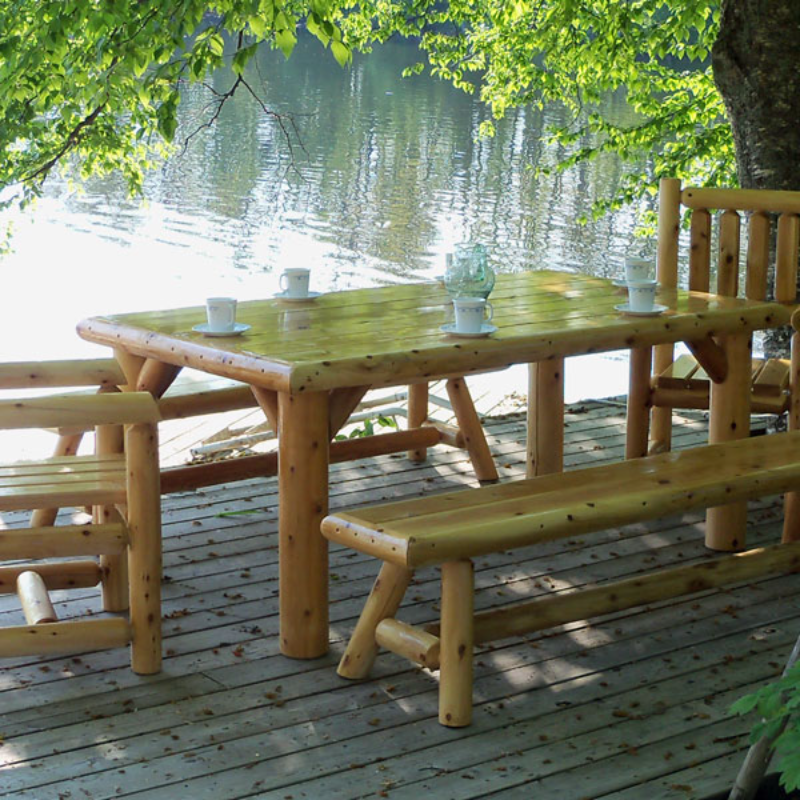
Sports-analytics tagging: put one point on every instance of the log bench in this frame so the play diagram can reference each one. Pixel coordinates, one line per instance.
(450, 529)
(199, 393)
(120, 549)
(685, 384)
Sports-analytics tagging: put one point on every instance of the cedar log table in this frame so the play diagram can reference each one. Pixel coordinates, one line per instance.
(307, 362)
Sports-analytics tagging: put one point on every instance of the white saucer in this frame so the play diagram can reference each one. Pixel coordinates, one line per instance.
(621, 283)
(653, 312)
(486, 330)
(286, 299)
(238, 328)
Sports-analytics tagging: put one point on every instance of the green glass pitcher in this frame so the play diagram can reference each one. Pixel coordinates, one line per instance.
(468, 273)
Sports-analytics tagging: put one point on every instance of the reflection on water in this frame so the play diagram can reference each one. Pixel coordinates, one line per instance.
(389, 176)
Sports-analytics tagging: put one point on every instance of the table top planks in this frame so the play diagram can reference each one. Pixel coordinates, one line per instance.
(389, 335)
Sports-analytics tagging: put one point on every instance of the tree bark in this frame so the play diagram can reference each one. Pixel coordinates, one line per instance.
(755, 61)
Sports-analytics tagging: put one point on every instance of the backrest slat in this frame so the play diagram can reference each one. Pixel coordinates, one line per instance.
(700, 251)
(728, 266)
(757, 257)
(669, 221)
(742, 199)
(76, 412)
(786, 258)
(53, 374)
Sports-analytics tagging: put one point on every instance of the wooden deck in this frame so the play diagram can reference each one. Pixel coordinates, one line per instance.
(633, 706)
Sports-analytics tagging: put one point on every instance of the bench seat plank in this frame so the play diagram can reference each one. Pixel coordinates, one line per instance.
(769, 382)
(773, 378)
(57, 482)
(467, 524)
(678, 375)
(94, 464)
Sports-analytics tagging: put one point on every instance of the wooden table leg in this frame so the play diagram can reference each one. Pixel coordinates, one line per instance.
(341, 404)
(156, 377)
(303, 457)
(417, 415)
(730, 419)
(470, 426)
(637, 427)
(545, 417)
(267, 400)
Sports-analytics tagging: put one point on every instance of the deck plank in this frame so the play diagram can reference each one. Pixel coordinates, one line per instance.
(634, 704)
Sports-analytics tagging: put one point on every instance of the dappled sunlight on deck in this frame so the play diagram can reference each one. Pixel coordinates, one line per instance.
(628, 704)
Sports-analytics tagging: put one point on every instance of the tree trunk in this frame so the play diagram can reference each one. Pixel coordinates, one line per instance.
(755, 60)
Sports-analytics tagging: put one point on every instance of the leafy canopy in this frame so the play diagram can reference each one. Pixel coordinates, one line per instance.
(520, 52)
(95, 84)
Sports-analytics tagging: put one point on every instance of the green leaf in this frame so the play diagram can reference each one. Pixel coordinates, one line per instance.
(744, 705)
(286, 40)
(242, 57)
(241, 513)
(216, 44)
(341, 53)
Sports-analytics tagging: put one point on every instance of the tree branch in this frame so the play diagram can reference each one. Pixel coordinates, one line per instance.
(72, 140)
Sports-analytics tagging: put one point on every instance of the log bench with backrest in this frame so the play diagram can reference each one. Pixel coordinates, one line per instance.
(682, 382)
(210, 394)
(450, 529)
(122, 490)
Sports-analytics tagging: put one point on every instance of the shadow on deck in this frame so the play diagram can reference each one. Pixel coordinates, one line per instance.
(634, 705)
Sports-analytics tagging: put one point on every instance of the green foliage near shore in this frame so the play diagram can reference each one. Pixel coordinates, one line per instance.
(95, 84)
(778, 704)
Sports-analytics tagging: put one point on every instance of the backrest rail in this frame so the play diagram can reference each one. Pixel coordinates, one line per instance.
(73, 411)
(728, 267)
(52, 374)
(757, 257)
(741, 199)
(700, 252)
(786, 258)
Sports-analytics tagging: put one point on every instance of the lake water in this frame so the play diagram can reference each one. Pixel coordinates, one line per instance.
(387, 175)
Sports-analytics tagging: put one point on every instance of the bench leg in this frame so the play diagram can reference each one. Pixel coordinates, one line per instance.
(144, 548)
(417, 415)
(470, 425)
(455, 677)
(545, 454)
(384, 600)
(729, 419)
(661, 422)
(110, 440)
(791, 512)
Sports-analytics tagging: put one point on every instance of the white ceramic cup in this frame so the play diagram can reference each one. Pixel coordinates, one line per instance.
(639, 269)
(641, 295)
(221, 312)
(294, 282)
(470, 313)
